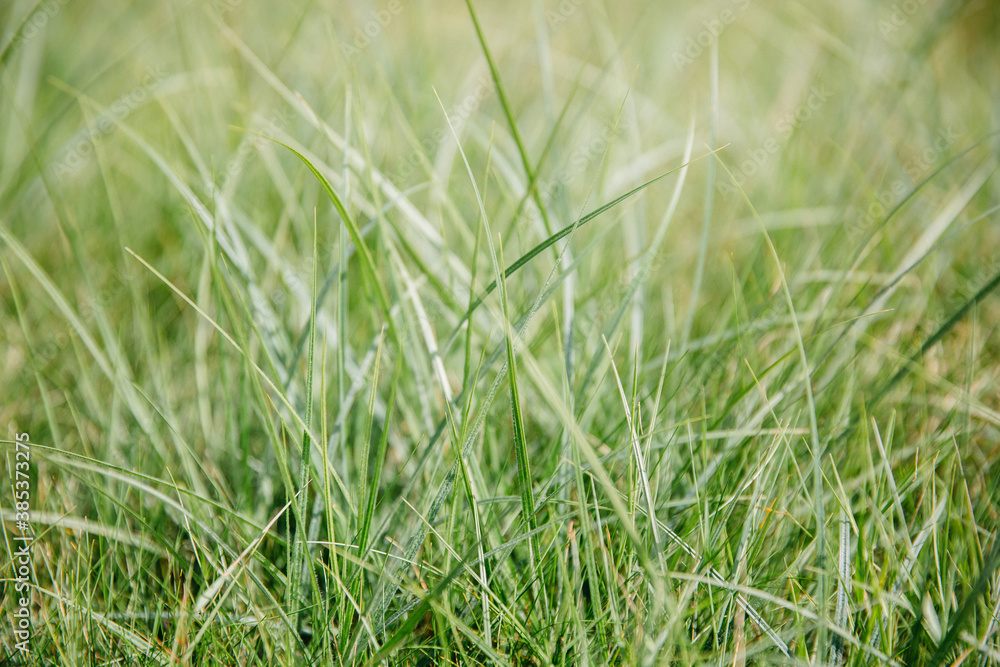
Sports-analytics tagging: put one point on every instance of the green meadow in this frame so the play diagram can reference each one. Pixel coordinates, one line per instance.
(457, 332)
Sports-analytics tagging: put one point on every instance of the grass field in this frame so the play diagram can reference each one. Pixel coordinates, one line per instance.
(572, 333)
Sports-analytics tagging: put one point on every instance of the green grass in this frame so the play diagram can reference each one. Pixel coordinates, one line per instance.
(476, 333)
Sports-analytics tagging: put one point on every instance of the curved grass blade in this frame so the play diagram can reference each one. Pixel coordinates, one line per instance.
(554, 238)
(356, 237)
(6, 52)
(939, 334)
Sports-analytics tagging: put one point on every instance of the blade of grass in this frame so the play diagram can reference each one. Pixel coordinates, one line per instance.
(568, 230)
(958, 620)
(509, 115)
(706, 221)
(817, 452)
(368, 493)
(636, 448)
(301, 551)
(520, 445)
(520, 442)
(938, 334)
(359, 241)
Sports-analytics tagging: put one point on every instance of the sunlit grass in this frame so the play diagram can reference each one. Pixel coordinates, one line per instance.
(474, 333)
